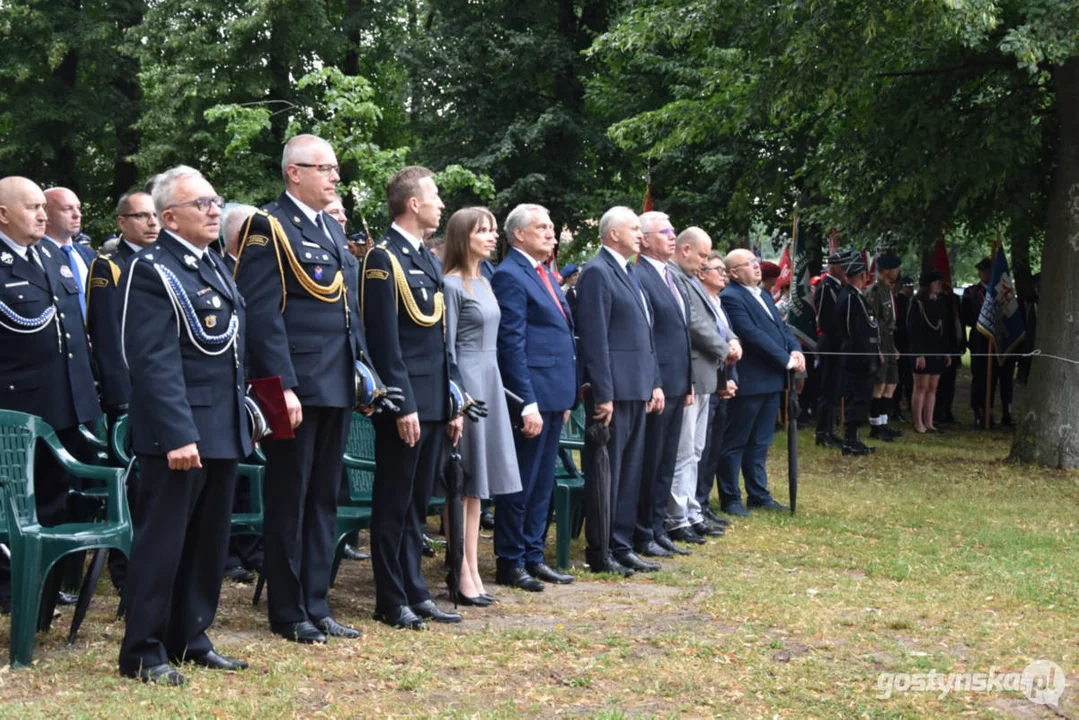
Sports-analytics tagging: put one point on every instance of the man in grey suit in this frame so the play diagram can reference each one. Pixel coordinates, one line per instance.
(712, 348)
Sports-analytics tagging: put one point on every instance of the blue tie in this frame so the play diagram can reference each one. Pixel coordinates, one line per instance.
(70, 252)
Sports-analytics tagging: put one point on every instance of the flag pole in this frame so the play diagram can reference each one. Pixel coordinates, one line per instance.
(989, 385)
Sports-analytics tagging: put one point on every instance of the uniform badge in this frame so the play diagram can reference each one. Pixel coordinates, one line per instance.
(215, 301)
(66, 271)
(6, 258)
(376, 274)
(404, 251)
(307, 256)
(202, 292)
(423, 291)
(325, 257)
(148, 256)
(44, 250)
(318, 272)
(296, 218)
(191, 261)
(210, 320)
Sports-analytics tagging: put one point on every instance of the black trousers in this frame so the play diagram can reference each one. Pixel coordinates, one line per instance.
(626, 451)
(177, 557)
(300, 503)
(859, 376)
(1003, 376)
(946, 390)
(661, 435)
(706, 471)
(404, 479)
(829, 387)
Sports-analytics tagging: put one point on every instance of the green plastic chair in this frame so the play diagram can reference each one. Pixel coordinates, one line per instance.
(360, 467)
(35, 549)
(569, 490)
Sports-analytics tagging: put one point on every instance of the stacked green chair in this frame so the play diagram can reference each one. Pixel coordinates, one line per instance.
(360, 467)
(35, 549)
(569, 490)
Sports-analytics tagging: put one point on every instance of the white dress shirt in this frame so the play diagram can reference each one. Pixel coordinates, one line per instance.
(311, 214)
(414, 241)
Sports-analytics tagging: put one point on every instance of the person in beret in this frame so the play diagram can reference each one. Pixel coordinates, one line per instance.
(769, 275)
(881, 300)
(859, 340)
(570, 275)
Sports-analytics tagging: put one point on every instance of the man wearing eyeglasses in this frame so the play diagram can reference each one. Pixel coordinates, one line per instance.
(769, 351)
(182, 332)
(300, 283)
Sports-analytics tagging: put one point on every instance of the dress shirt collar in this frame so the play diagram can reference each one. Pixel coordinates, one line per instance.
(622, 262)
(57, 243)
(535, 263)
(133, 246)
(661, 267)
(16, 248)
(307, 210)
(415, 242)
(186, 245)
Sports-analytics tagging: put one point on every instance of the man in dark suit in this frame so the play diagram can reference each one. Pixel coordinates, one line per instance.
(670, 329)
(64, 211)
(183, 330)
(104, 307)
(535, 346)
(618, 360)
(44, 356)
(713, 350)
(299, 280)
(828, 370)
(403, 308)
(770, 350)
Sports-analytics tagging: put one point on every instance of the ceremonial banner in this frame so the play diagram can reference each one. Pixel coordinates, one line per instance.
(784, 278)
(1000, 319)
(801, 317)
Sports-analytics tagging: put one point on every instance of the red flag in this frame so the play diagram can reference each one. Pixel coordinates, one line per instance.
(648, 198)
(940, 262)
(833, 240)
(784, 279)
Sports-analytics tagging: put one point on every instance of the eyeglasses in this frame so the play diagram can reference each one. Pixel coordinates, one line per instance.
(752, 263)
(140, 216)
(718, 268)
(665, 231)
(325, 169)
(203, 203)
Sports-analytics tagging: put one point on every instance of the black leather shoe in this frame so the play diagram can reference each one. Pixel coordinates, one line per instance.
(612, 566)
(710, 515)
(332, 628)
(491, 599)
(351, 553)
(459, 598)
(827, 440)
(770, 504)
(63, 598)
(737, 510)
(707, 530)
(302, 632)
(429, 611)
(401, 617)
(686, 534)
(633, 562)
(487, 520)
(519, 578)
(428, 548)
(239, 574)
(541, 571)
(163, 674)
(653, 549)
(665, 542)
(214, 661)
(880, 432)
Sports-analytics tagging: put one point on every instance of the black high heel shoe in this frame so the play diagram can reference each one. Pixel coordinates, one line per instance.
(459, 598)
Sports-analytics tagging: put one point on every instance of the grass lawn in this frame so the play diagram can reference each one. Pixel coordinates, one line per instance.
(931, 555)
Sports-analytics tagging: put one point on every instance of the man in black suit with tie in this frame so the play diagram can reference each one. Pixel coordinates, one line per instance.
(183, 331)
(299, 280)
(44, 355)
(65, 221)
(670, 328)
(618, 360)
(403, 307)
(769, 351)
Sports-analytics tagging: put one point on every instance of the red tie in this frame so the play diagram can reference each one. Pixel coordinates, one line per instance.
(550, 288)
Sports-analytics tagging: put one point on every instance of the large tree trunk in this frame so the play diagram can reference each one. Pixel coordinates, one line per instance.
(1048, 430)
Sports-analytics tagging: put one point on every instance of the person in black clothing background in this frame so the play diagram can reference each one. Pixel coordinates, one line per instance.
(858, 335)
(828, 365)
(925, 330)
(903, 293)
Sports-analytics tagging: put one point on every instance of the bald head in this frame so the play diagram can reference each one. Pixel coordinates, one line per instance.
(22, 210)
(64, 211)
(691, 250)
(744, 268)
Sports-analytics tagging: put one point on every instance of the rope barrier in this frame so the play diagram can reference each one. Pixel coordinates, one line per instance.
(1032, 353)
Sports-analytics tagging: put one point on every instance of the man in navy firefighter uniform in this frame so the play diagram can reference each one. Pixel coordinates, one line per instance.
(44, 356)
(403, 308)
(182, 330)
(299, 280)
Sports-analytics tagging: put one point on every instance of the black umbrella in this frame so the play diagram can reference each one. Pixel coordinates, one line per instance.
(453, 478)
(792, 441)
(598, 481)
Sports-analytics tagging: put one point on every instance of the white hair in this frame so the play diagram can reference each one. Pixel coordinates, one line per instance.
(652, 219)
(235, 216)
(519, 217)
(165, 184)
(611, 218)
(296, 147)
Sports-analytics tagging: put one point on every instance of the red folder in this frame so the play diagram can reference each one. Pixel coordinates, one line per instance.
(270, 395)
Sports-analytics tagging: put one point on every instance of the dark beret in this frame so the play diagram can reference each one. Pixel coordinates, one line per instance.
(769, 270)
(888, 262)
(568, 271)
(928, 276)
(984, 264)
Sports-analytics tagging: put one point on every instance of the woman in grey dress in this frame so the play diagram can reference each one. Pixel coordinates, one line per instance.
(472, 315)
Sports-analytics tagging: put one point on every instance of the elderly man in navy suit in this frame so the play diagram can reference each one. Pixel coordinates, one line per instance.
(670, 327)
(769, 351)
(618, 360)
(535, 346)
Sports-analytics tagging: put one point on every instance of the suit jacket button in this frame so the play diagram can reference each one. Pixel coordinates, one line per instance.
(70, 356)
